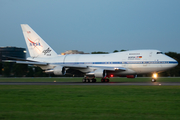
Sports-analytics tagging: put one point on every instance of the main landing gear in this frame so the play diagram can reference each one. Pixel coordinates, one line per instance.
(89, 80)
(104, 80)
(93, 80)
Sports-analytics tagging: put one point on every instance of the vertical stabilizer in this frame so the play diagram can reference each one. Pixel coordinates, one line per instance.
(36, 45)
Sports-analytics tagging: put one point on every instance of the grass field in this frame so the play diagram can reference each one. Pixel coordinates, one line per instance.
(78, 79)
(43, 102)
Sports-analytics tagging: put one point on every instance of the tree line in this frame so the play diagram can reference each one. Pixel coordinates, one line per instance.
(21, 70)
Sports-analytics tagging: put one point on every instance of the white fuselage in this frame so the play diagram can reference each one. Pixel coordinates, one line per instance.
(93, 65)
(135, 61)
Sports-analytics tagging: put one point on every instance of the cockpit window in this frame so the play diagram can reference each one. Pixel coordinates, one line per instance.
(159, 52)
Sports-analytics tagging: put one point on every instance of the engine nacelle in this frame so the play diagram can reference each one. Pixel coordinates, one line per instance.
(58, 70)
(101, 73)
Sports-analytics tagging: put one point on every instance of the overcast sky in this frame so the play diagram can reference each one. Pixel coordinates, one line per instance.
(94, 25)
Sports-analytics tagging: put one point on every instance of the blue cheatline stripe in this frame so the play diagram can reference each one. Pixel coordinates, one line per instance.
(126, 62)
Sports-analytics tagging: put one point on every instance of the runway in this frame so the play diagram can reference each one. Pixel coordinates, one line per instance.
(97, 83)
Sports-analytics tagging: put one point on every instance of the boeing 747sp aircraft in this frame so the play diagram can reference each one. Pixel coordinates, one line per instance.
(128, 63)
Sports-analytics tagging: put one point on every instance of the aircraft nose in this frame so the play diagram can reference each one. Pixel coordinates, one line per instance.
(173, 62)
(176, 62)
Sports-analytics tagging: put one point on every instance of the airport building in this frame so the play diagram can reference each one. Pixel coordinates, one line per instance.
(12, 52)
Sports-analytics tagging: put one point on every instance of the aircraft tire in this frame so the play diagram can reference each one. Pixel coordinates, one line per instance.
(102, 80)
(153, 80)
(87, 80)
(83, 80)
(93, 80)
(106, 80)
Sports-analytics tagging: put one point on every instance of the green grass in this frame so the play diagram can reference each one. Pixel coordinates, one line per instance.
(76, 79)
(43, 102)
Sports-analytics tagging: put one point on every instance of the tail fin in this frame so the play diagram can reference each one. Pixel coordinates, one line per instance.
(36, 45)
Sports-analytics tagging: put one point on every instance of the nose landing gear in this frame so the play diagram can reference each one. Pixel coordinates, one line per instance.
(154, 77)
(153, 80)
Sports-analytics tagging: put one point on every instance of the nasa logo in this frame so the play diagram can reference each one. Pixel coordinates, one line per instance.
(46, 51)
(34, 43)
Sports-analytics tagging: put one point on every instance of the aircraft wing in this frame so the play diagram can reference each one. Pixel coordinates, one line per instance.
(73, 66)
(27, 62)
(94, 67)
(109, 68)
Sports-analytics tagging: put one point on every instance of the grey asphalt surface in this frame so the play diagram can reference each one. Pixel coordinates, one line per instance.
(97, 83)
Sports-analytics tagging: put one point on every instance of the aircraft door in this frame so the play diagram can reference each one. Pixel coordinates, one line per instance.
(150, 54)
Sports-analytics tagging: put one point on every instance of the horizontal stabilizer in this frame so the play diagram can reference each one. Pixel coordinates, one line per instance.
(26, 62)
(15, 58)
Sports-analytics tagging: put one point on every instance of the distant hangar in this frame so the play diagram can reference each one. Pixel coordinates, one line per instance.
(12, 52)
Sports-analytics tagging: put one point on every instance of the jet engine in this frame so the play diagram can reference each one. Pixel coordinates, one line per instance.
(100, 73)
(58, 70)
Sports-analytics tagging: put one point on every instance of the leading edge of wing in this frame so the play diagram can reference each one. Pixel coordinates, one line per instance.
(26, 62)
(69, 65)
(109, 68)
(95, 67)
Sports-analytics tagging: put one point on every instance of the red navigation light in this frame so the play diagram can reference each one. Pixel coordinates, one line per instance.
(112, 75)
